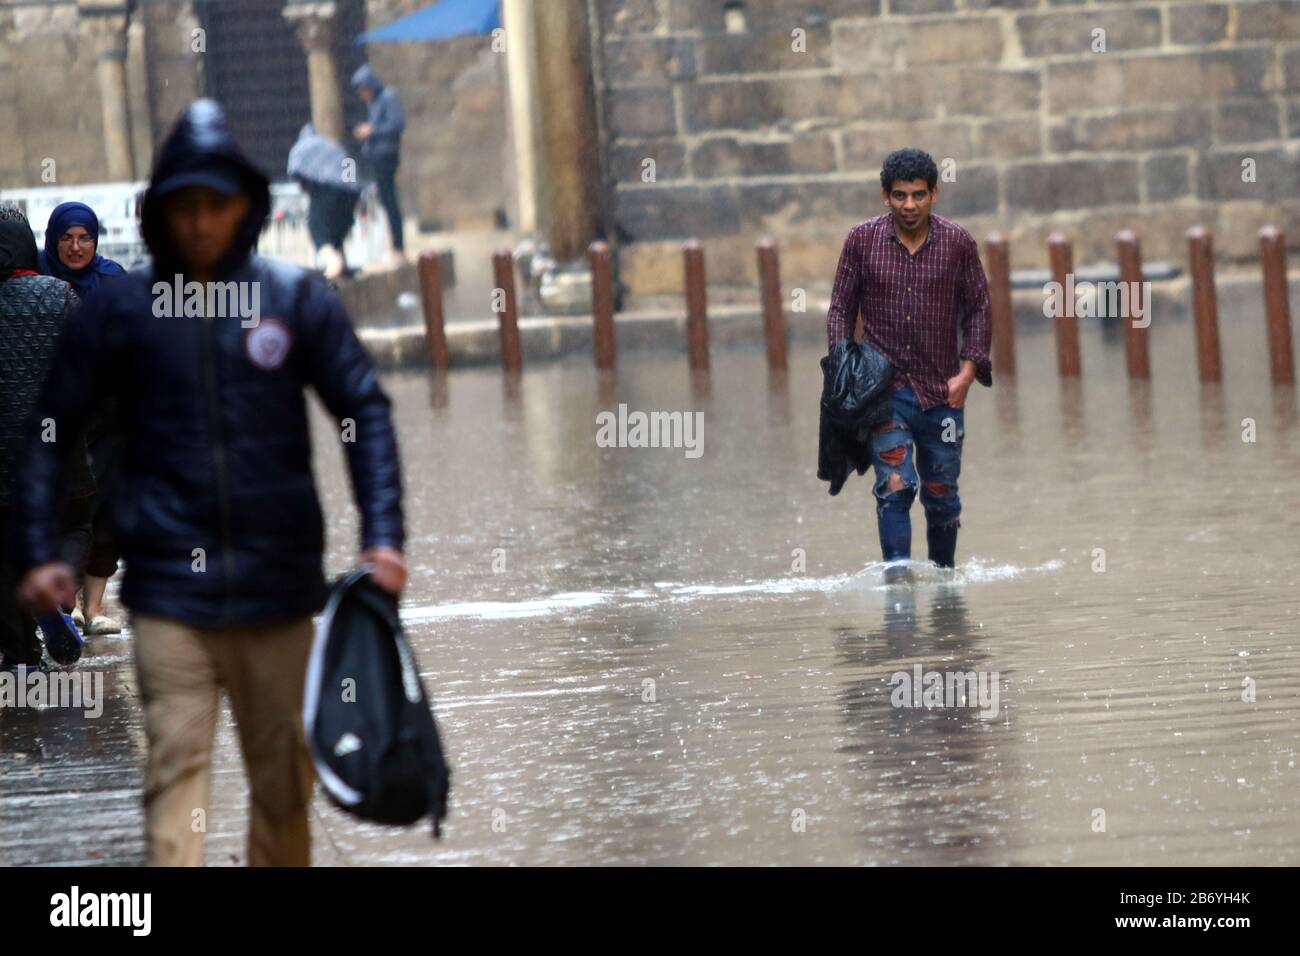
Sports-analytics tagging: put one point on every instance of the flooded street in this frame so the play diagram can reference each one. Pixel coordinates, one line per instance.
(638, 657)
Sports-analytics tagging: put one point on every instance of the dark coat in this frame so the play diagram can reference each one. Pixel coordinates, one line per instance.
(385, 115)
(216, 447)
(33, 311)
(856, 397)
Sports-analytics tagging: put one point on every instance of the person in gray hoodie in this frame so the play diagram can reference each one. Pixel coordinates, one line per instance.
(381, 145)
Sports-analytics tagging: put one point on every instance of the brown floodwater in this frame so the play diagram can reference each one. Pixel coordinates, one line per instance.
(640, 657)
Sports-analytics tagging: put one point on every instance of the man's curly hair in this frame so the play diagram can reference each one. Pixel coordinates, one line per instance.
(907, 165)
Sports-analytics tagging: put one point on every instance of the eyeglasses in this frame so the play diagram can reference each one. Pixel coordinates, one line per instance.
(86, 241)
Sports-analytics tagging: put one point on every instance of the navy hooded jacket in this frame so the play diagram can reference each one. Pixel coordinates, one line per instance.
(216, 511)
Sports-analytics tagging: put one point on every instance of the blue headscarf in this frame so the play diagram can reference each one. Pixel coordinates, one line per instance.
(86, 279)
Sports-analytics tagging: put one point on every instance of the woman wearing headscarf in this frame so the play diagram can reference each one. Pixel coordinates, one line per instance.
(72, 254)
(323, 170)
(33, 309)
(71, 249)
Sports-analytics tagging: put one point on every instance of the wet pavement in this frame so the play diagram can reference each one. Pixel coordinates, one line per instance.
(640, 657)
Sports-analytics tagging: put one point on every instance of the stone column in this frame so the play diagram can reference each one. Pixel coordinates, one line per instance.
(104, 25)
(521, 77)
(174, 67)
(314, 24)
(570, 196)
(141, 104)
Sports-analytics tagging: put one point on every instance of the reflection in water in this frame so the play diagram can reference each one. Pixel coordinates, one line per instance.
(1213, 421)
(1006, 406)
(439, 391)
(512, 389)
(1284, 407)
(1072, 421)
(911, 761)
(607, 384)
(778, 398)
(70, 777)
(1143, 436)
(701, 385)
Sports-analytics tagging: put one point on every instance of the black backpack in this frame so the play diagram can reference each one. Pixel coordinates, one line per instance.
(368, 723)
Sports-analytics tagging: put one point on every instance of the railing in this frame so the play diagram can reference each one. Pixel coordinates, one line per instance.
(286, 235)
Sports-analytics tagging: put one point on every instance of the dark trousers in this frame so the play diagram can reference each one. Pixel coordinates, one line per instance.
(18, 642)
(330, 214)
(101, 561)
(385, 170)
(105, 454)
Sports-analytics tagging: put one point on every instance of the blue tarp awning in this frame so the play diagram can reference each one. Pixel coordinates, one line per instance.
(439, 21)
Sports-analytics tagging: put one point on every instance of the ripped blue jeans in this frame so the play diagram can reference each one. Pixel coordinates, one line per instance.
(923, 448)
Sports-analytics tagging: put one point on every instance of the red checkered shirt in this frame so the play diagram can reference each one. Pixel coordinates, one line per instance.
(912, 303)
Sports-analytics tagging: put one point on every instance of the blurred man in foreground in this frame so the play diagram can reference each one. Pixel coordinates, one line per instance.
(216, 512)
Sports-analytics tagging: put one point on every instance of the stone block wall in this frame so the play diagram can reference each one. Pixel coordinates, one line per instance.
(49, 98)
(456, 169)
(772, 117)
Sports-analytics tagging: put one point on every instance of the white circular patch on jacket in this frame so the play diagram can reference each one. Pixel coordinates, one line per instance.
(267, 344)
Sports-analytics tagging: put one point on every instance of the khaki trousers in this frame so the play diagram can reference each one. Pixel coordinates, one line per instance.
(180, 670)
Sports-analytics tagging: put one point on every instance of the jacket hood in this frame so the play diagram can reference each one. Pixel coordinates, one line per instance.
(17, 248)
(202, 147)
(365, 76)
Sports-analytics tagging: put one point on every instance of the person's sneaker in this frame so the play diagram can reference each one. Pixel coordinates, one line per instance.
(62, 641)
(78, 618)
(101, 624)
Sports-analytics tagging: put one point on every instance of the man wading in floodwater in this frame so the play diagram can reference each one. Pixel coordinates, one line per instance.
(915, 277)
(216, 510)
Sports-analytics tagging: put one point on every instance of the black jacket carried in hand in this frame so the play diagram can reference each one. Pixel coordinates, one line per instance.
(856, 397)
(215, 510)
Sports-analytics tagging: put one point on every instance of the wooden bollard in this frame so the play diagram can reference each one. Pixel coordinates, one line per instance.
(697, 314)
(602, 304)
(1067, 325)
(1277, 305)
(1205, 306)
(1128, 252)
(1004, 333)
(503, 270)
(435, 332)
(769, 278)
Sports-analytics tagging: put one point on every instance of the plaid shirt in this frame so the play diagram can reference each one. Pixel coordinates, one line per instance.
(912, 303)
